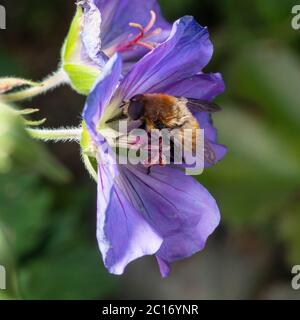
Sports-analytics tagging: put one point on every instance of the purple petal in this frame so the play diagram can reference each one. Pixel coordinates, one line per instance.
(176, 206)
(106, 25)
(201, 86)
(184, 54)
(122, 232)
(101, 94)
(206, 123)
(91, 35)
(219, 153)
(211, 138)
(164, 267)
(117, 14)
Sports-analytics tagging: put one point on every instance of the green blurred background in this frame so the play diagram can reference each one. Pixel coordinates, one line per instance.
(48, 210)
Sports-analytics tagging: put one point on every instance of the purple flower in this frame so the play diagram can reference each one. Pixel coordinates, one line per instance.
(129, 27)
(166, 212)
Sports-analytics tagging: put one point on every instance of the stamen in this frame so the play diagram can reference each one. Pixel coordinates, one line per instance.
(137, 25)
(154, 33)
(146, 45)
(151, 22)
(139, 39)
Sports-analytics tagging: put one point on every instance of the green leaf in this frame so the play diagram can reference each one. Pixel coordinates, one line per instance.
(76, 273)
(288, 230)
(258, 144)
(269, 75)
(69, 266)
(7, 260)
(18, 149)
(24, 206)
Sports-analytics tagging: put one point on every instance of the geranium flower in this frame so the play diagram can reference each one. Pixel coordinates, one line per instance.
(164, 212)
(129, 27)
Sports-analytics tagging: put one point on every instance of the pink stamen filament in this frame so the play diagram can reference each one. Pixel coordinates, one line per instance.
(154, 33)
(146, 45)
(138, 40)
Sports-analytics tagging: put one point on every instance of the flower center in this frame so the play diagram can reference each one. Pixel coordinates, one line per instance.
(141, 39)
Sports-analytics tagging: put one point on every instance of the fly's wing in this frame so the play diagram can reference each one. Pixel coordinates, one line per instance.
(196, 105)
(210, 156)
(185, 142)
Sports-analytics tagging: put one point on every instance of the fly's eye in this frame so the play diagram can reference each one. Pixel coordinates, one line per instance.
(136, 109)
(137, 97)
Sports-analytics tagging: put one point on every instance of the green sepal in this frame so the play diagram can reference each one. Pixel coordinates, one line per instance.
(86, 140)
(88, 152)
(82, 77)
(34, 123)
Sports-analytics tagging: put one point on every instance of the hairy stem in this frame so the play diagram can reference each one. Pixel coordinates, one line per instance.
(57, 135)
(50, 83)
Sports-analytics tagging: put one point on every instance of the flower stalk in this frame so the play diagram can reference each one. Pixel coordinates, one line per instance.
(50, 83)
(56, 135)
